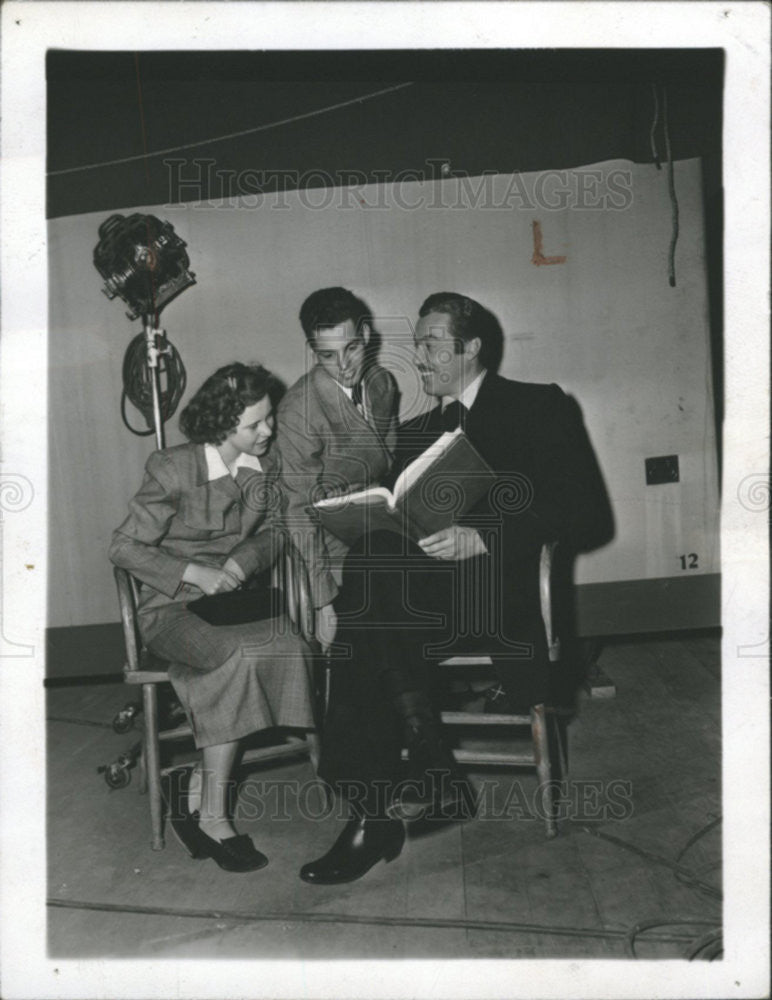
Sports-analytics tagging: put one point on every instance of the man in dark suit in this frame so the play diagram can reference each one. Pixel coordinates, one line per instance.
(404, 605)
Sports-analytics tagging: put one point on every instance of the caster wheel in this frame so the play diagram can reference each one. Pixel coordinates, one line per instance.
(124, 720)
(117, 776)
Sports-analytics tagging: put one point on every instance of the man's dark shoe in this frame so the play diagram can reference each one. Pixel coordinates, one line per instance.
(435, 788)
(364, 842)
(437, 795)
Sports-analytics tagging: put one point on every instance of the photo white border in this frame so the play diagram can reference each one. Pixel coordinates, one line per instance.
(28, 29)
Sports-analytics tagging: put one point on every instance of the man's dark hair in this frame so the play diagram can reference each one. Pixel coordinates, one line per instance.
(330, 307)
(469, 320)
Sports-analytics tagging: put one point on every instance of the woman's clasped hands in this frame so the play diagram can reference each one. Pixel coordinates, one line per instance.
(212, 579)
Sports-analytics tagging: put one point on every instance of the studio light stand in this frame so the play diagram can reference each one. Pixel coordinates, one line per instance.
(143, 262)
(153, 340)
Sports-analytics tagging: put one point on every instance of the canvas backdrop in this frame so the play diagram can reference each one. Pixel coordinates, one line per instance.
(604, 324)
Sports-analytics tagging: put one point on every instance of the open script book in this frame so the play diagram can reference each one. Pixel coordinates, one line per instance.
(430, 493)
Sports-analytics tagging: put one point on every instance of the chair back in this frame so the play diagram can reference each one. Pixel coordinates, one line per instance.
(294, 581)
(128, 594)
(546, 562)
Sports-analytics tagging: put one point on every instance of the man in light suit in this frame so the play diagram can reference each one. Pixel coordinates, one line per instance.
(336, 430)
(428, 599)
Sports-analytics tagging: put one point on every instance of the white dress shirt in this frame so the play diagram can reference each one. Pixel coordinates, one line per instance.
(469, 395)
(216, 467)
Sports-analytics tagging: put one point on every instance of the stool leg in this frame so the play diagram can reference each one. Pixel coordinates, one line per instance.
(543, 766)
(153, 763)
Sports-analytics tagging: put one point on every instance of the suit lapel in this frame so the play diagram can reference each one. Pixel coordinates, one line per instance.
(206, 491)
(482, 411)
(339, 411)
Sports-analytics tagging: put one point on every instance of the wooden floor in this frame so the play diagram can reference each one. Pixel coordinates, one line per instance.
(645, 771)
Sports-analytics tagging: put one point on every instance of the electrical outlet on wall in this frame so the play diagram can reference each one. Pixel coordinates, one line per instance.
(663, 469)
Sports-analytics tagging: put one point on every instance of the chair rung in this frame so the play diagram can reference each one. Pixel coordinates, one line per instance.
(145, 676)
(467, 661)
(276, 752)
(295, 747)
(179, 733)
(494, 757)
(478, 719)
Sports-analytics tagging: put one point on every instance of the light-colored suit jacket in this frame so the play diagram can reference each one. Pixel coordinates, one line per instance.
(327, 444)
(178, 517)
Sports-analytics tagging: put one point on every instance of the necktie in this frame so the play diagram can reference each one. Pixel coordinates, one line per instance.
(356, 395)
(454, 415)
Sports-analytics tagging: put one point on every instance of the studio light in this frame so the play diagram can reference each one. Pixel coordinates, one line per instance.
(145, 263)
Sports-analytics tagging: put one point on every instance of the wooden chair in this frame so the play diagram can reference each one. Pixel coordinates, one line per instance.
(539, 757)
(147, 670)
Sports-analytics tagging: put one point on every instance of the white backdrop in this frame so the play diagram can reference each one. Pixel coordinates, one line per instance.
(604, 324)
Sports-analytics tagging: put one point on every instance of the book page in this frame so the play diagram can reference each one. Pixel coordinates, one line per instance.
(359, 497)
(425, 460)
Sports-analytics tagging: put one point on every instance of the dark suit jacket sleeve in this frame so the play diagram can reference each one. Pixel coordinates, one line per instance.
(135, 545)
(567, 497)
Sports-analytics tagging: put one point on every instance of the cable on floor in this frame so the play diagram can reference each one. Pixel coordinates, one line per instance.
(698, 836)
(246, 917)
(708, 946)
(686, 875)
(712, 865)
(78, 722)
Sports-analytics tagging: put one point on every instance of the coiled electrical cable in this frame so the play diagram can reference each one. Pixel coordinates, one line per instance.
(138, 388)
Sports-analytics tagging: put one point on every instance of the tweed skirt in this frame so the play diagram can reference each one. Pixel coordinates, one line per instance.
(233, 680)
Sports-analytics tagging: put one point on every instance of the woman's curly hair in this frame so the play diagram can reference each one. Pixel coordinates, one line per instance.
(214, 410)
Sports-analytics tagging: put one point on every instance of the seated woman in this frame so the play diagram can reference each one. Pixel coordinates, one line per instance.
(206, 520)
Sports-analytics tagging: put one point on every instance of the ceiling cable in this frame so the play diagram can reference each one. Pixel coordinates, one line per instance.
(232, 135)
(653, 129)
(672, 192)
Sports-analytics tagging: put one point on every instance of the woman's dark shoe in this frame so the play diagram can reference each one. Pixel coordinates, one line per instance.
(234, 854)
(174, 787)
(363, 843)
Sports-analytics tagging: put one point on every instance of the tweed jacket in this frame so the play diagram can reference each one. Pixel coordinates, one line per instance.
(326, 443)
(178, 517)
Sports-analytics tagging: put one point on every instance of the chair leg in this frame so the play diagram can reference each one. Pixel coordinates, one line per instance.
(543, 766)
(314, 748)
(314, 753)
(558, 733)
(142, 770)
(152, 754)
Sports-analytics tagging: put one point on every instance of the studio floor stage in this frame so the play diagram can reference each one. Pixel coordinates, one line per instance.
(644, 781)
